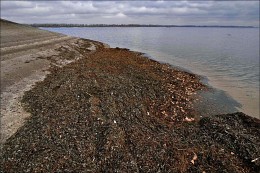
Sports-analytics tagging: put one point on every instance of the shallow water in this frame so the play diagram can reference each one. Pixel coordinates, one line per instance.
(228, 57)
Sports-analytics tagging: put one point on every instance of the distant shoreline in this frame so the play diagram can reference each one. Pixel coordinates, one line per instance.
(135, 25)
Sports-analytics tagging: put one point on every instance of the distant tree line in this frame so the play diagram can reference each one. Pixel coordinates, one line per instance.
(127, 25)
(98, 25)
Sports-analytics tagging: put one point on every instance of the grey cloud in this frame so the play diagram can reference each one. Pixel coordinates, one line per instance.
(16, 4)
(147, 12)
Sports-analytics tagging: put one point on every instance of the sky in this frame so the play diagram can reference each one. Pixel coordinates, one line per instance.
(242, 13)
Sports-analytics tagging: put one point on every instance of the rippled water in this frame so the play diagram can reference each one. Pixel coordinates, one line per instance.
(228, 57)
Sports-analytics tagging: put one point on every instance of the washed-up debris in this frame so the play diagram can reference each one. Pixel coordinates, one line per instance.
(254, 160)
(189, 119)
(116, 111)
(195, 157)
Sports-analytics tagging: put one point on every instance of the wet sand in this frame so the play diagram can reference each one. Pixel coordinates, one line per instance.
(97, 109)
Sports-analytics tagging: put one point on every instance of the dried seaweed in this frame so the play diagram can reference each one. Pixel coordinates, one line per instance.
(117, 111)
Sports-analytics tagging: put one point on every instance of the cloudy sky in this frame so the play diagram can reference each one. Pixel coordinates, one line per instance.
(133, 12)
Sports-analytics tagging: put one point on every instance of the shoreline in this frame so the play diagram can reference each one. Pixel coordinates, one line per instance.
(239, 88)
(212, 97)
(228, 94)
(114, 109)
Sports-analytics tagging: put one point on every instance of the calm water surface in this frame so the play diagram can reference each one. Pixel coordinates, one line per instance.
(227, 57)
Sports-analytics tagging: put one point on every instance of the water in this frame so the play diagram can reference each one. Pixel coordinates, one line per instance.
(228, 57)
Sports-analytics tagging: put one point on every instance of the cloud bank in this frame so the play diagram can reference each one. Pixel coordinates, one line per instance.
(133, 12)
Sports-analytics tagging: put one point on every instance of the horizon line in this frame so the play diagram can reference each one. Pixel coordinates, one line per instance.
(132, 25)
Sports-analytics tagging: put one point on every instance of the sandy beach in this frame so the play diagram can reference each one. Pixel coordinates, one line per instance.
(26, 54)
(71, 104)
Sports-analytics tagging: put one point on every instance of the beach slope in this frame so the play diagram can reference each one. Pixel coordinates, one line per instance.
(26, 55)
(98, 109)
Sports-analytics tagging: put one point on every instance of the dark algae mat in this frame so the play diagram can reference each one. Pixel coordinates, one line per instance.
(117, 111)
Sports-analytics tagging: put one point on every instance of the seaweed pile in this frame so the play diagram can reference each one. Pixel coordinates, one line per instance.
(117, 111)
